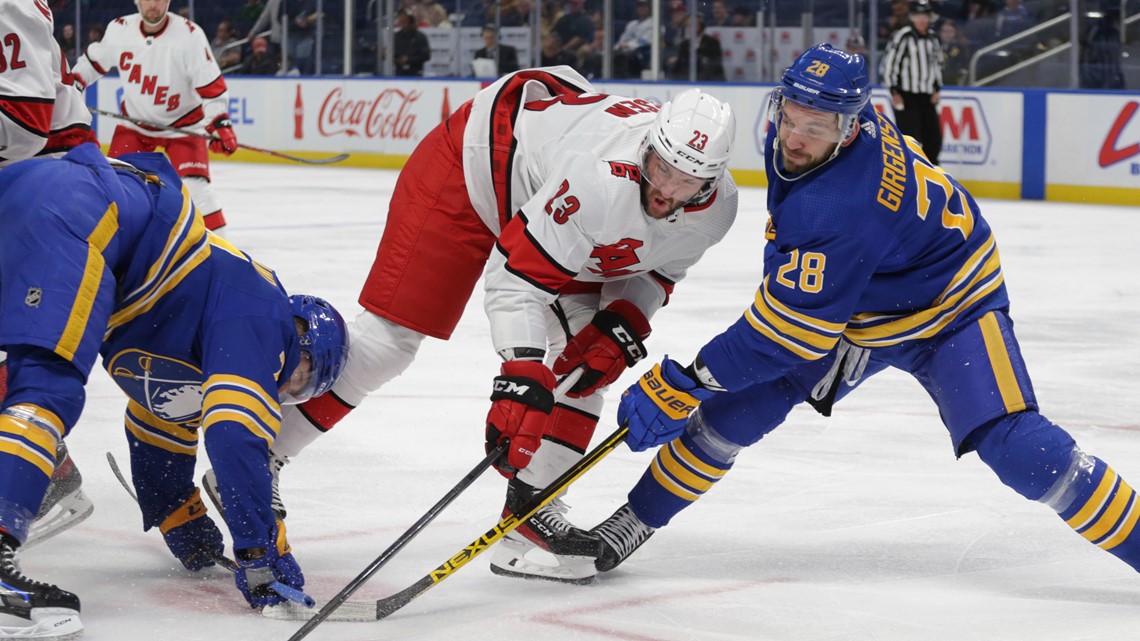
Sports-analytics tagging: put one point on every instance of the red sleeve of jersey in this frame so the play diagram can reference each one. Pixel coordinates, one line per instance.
(33, 114)
(214, 89)
(527, 259)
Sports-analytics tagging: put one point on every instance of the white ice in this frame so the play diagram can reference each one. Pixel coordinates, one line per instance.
(855, 528)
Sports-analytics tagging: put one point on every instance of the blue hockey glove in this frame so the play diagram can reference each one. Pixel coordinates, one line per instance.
(258, 567)
(191, 535)
(657, 406)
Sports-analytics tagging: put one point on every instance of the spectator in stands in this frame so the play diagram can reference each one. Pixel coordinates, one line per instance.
(855, 45)
(575, 27)
(710, 56)
(1101, 53)
(516, 13)
(410, 48)
(431, 14)
(721, 17)
(631, 53)
(1013, 18)
(67, 43)
(551, 14)
(955, 54)
(260, 62)
(590, 61)
(552, 52)
(674, 30)
(743, 17)
(270, 20)
(507, 57)
(95, 34)
(303, 17)
(247, 15)
(477, 13)
(225, 51)
(898, 18)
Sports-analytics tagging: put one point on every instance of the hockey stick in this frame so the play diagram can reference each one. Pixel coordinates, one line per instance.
(196, 134)
(286, 591)
(366, 610)
(382, 608)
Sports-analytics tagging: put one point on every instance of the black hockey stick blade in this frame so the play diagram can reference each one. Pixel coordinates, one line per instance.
(198, 134)
(388, 605)
(286, 591)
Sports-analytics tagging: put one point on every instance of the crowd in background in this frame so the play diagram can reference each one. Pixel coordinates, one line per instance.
(572, 33)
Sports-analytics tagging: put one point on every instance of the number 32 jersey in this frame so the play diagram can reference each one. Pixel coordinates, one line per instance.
(553, 169)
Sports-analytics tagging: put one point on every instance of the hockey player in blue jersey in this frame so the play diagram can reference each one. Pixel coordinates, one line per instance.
(875, 258)
(105, 258)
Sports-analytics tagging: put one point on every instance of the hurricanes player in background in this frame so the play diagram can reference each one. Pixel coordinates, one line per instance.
(170, 78)
(41, 113)
(586, 210)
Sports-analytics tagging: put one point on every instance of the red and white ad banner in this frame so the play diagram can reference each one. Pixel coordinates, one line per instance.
(1093, 141)
(387, 117)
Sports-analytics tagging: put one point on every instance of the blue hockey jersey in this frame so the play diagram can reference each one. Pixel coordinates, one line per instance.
(111, 259)
(879, 246)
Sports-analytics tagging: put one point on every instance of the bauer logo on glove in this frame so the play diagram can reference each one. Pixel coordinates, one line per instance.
(674, 402)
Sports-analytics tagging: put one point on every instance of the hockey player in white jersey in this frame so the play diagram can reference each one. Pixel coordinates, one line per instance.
(170, 78)
(41, 112)
(586, 209)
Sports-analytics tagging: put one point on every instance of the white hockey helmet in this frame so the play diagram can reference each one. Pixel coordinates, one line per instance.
(694, 133)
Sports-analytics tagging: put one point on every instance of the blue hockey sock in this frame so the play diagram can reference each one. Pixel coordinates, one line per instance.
(1103, 508)
(683, 470)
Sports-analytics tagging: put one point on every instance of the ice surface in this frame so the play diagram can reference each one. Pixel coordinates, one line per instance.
(856, 528)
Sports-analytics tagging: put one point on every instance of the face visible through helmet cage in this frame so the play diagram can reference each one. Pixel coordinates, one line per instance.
(806, 137)
(323, 339)
(672, 183)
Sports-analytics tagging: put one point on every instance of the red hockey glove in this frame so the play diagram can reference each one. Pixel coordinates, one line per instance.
(520, 411)
(224, 140)
(609, 344)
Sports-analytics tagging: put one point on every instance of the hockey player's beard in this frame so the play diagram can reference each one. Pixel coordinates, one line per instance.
(800, 161)
(655, 204)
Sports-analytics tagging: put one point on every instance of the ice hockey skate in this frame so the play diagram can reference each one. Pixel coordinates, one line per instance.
(546, 546)
(276, 462)
(53, 613)
(65, 505)
(620, 535)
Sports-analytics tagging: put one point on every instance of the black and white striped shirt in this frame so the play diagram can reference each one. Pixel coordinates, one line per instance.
(912, 62)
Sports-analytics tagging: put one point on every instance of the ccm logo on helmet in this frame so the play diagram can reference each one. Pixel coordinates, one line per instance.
(692, 159)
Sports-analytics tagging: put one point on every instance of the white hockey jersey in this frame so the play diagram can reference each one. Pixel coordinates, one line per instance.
(169, 77)
(39, 106)
(553, 168)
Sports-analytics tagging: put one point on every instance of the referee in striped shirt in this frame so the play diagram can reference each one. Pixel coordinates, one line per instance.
(912, 68)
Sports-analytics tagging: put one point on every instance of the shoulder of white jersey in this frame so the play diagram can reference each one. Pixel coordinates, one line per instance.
(28, 19)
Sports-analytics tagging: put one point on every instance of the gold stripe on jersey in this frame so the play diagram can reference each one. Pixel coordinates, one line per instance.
(88, 289)
(240, 400)
(31, 433)
(186, 248)
(979, 277)
(807, 337)
(1001, 365)
(218, 242)
(145, 426)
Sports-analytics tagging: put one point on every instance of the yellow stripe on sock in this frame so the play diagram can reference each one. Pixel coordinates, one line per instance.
(1080, 520)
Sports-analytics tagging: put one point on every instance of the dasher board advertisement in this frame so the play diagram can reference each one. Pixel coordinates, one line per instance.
(1093, 141)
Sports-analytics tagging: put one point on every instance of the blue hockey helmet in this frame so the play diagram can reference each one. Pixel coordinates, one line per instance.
(324, 348)
(827, 80)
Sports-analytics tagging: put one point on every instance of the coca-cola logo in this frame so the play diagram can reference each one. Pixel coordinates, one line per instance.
(388, 115)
